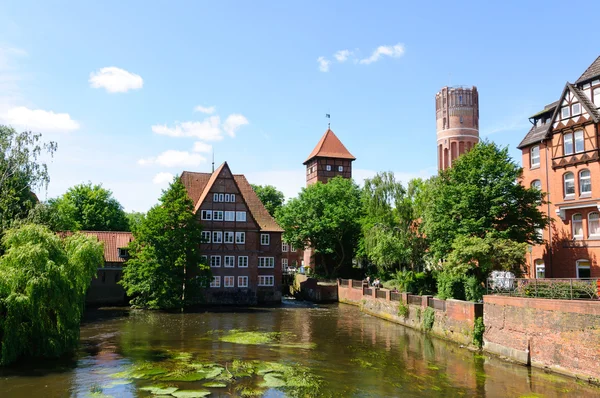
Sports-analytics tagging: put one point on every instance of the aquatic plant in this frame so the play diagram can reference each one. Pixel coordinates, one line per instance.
(403, 310)
(478, 330)
(428, 318)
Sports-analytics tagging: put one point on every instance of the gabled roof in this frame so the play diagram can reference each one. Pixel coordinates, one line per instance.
(330, 147)
(591, 72)
(535, 135)
(198, 186)
(113, 241)
(585, 101)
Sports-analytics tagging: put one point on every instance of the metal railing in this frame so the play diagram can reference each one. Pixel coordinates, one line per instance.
(414, 300)
(394, 296)
(367, 291)
(344, 282)
(436, 304)
(551, 288)
(380, 294)
(357, 284)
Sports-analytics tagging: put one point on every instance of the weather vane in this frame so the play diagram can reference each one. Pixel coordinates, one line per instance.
(328, 116)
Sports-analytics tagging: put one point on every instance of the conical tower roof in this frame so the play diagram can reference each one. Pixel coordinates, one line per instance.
(330, 147)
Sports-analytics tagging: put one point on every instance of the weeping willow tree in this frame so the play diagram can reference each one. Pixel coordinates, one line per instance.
(43, 281)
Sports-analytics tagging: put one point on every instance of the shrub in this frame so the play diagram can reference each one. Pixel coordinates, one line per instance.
(428, 319)
(403, 310)
(474, 290)
(421, 283)
(450, 285)
(478, 330)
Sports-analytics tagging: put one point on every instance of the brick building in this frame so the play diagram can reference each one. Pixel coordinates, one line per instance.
(560, 156)
(241, 241)
(457, 123)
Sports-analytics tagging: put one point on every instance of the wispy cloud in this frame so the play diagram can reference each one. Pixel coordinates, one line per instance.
(384, 51)
(115, 80)
(323, 64)
(162, 178)
(172, 158)
(209, 110)
(233, 123)
(209, 129)
(342, 55)
(202, 147)
(39, 120)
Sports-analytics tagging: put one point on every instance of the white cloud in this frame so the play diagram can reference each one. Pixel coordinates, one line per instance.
(172, 158)
(233, 123)
(39, 119)
(208, 130)
(115, 80)
(323, 64)
(202, 147)
(209, 110)
(388, 51)
(162, 178)
(342, 55)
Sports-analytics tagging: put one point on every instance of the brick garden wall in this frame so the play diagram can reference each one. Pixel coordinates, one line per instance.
(563, 335)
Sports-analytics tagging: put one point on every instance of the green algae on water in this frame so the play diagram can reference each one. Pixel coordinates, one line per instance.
(273, 339)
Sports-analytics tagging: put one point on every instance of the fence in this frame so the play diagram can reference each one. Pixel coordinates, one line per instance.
(436, 303)
(380, 294)
(357, 284)
(368, 291)
(415, 300)
(566, 289)
(395, 296)
(345, 282)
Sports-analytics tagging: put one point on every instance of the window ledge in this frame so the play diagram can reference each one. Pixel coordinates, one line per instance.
(534, 167)
(569, 197)
(585, 195)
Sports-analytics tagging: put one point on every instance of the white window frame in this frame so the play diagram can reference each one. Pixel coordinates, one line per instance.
(240, 216)
(284, 247)
(266, 262)
(206, 215)
(229, 261)
(565, 112)
(588, 179)
(226, 198)
(340, 168)
(232, 198)
(217, 237)
(240, 238)
(579, 140)
(534, 160)
(284, 263)
(266, 280)
(265, 239)
(596, 221)
(328, 167)
(578, 112)
(292, 249)
(217, 215)
(221, 197)
(578, 266)
(229, 237)
(242, 261)
(580, 224)
(537, 184)
(596, 98)
(229, 281)
(242, 281)
(205, 236)
(215, 261)
(216, 282)
(540, 266)
(572, 178)
(568, 138)
(215, 197)
(229, 216)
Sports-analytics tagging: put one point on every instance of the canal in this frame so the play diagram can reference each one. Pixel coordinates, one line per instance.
(291, 350)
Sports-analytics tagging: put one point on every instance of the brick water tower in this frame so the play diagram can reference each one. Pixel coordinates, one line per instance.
(457, 122)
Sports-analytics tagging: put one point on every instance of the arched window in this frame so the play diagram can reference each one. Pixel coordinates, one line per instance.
(569, 184)
(534, 156)
(585, 183)
(579, 143)
(537, 184)
(568, 144)
(540, 269)
(594, 225)
(577, 221)
(583, 269)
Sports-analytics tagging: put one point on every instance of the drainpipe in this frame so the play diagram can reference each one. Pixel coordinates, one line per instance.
(548, 206)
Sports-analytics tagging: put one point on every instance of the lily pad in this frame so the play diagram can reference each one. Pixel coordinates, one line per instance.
(272, 380)
(191, 393)
(214, 384)
(159, 390)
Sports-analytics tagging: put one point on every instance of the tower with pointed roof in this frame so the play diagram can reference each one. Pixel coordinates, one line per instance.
(329, 159)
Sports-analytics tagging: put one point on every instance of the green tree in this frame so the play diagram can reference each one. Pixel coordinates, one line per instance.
(88, 207)
(134, 219)
(270, 197)
(325, 217)
(43, 282)
(165, 269)
(21, 172)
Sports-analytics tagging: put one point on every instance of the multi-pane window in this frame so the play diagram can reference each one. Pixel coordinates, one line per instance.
(242, 261)
(229, 261)
(565, 112)
(206, 215)
(537, 184)
(217, 237)
(228, 237)
(284, 247)
(576, 109)
(205, 237)
(540, 269)
(568, 144)
(240, 238)
(594, 224)
(266, 262)
(215, 197)
(229, 281)
(535, 156)
(215, 261)
(240, 216)
(265, 239)
(577, 221)
(216, 281)
(218, 215)
(266, 280)
(569, 184)
(585, 182)
(583, 269)
(579, 143)
(284, 263)
(230, 216)
(242, 281)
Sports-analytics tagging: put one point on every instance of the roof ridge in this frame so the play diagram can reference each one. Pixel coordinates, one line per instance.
(209, 185)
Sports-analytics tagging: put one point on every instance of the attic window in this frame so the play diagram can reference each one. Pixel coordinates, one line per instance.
(123, 253)
(576, 108)
(565, 112)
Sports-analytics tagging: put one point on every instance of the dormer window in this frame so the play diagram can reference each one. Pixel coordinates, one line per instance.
(123, 252)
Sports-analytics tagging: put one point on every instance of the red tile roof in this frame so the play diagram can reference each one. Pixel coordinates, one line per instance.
(198, 186)
(113, 241)
(330, 147)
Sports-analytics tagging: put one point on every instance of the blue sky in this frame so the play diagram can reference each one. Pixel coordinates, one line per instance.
(126, 88)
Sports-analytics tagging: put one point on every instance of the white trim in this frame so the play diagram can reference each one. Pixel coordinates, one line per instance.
(459, 128)
(458, 136)
(579, 206)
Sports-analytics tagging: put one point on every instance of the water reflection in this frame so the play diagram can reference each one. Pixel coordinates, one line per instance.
(354, 354)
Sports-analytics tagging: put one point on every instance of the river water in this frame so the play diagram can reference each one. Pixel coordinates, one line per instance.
(292, 350)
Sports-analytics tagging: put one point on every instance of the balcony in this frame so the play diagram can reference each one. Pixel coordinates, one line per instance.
(576, 158)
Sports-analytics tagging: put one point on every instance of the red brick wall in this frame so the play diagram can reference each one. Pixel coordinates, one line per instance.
(563, 335)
